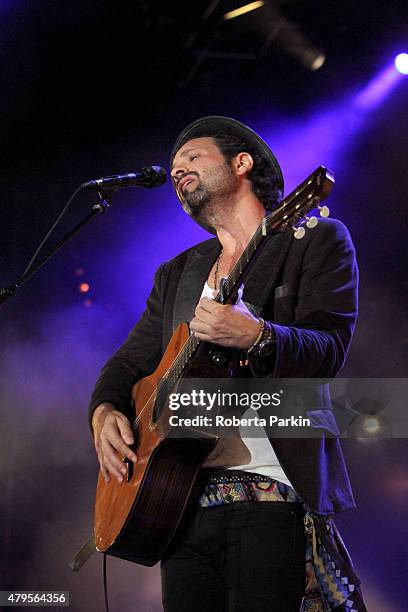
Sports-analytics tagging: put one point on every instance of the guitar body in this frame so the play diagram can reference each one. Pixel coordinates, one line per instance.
(136, 519)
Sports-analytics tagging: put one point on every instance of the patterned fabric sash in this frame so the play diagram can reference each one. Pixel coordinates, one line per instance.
(331, 583)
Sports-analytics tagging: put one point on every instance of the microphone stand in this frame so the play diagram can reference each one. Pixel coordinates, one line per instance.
(97, 209)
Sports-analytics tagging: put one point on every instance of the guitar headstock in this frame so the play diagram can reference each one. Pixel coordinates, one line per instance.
(296, 206)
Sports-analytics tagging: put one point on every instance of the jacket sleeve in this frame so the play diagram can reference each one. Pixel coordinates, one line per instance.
(316, 342)
(138, 356)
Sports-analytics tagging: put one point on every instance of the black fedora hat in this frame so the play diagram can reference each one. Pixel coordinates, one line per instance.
(216, 124)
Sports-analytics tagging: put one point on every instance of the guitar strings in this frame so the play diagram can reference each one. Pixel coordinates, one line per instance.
(164, 377)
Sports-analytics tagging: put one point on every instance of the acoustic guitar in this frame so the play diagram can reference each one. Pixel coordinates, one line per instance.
(137, 519)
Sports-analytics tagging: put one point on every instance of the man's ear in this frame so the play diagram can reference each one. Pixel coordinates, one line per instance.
(243, 163)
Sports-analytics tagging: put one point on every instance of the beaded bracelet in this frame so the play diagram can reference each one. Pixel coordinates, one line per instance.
(266, 336)
(259, 337)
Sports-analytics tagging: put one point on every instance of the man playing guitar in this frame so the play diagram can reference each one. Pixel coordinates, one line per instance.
(262, 502)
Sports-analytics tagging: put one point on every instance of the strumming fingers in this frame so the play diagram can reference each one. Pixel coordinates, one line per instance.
(113, 469)
(112, 439)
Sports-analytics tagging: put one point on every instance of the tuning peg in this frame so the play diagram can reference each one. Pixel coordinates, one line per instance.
(324, 211)
(311, 222)
(299, 232)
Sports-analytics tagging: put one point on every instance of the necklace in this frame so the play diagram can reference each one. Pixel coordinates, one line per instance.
(217, 266)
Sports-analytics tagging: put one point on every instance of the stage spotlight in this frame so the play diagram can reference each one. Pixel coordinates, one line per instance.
(371, 425)
(401, 63)
(312, 58)
(318, 62)
(247, 8)
(290, 38)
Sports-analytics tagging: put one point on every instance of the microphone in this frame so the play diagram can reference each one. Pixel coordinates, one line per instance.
(149, 176)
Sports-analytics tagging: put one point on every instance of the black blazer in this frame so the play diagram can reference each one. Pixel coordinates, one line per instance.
(308, 289)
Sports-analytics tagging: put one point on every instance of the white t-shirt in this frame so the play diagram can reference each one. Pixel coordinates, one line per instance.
(263, 458)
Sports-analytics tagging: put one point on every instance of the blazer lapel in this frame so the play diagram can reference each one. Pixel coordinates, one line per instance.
(196, 270)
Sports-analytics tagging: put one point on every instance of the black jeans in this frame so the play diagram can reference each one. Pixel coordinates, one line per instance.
(238, 557)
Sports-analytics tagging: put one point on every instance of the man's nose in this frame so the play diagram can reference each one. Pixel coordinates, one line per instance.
(178, 171)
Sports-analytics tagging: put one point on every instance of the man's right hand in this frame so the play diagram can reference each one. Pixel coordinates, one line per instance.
(112, 433)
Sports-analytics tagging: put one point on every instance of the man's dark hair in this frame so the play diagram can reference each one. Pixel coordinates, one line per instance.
(262, 175)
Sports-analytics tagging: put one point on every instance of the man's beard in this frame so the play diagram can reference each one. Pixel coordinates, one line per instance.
(217, 185)
(196, 201)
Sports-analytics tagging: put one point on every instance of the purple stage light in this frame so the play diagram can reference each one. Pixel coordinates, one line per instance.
(401, 63)
(376, 91)
(323, 136)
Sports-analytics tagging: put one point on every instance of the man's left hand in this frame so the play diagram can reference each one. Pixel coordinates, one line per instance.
(225, 324)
